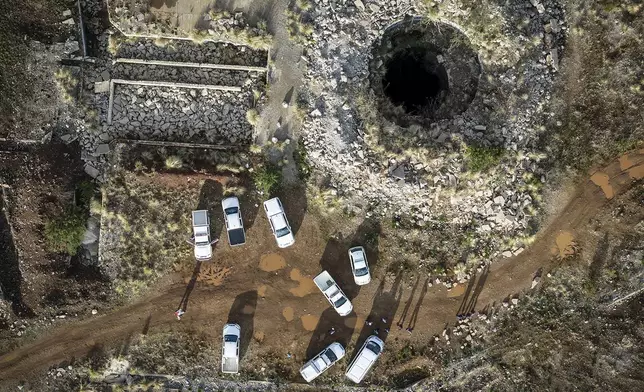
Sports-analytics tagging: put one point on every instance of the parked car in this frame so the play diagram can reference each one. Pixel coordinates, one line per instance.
(359, 265)
(333, 293)
(322, 362)
(201, 234)
(234, 223)
(279, 224)
(230, 348)
(364, 360)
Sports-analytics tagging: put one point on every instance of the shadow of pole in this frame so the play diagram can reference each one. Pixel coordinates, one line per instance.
(414, 314)
(243, 313)
(466, 295)
(183, 305)
(477, 291)
(403, 316)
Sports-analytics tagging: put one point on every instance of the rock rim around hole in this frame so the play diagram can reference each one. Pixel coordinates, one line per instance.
(423, 71)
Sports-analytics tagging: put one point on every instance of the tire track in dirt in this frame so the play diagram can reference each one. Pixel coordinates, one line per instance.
(210, 304)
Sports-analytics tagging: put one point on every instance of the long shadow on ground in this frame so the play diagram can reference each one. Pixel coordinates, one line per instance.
(335, 258)
(10, 277)
(384, 307)
(331, 328)
(210, 199)
(243, 313)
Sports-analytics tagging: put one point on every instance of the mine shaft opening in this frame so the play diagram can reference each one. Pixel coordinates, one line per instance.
(415, 80)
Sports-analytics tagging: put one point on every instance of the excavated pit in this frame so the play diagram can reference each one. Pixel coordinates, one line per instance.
(423, 71)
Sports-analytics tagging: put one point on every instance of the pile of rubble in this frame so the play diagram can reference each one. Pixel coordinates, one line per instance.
(182, 115)
(163, 73)
(191, 52)
(424, 171)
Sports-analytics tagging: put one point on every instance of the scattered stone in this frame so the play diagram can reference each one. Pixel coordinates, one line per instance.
(67, 13)
(515, 301)
(101, 87)
(105, 75)
(92, 171)
(102, 149)
(69, 21)
(359, 5)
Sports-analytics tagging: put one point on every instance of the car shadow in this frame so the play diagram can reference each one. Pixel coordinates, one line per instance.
(331, 328)
(243, 313)
(335, 258)
(210, 199)
(295, 204)
(384, 307)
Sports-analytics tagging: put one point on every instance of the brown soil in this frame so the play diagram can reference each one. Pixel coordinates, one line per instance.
(425, 309)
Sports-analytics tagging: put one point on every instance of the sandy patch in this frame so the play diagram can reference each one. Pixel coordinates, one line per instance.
(306, 287)
(211, 274)
(565, 245)
(261, 290)
(456, 291)
(353, 322)
(288, 313)
(259, 336)
(309, 322)
(637, 172)
(603, 181)
(272, 262)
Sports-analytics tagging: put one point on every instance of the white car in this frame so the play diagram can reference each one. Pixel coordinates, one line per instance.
(201, 234)
(333, 293)
(359, 265)
(279, 224)
(234, 222)
(365, 359)
(323, 361)
(230, 349)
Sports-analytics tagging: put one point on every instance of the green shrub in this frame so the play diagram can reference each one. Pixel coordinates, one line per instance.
(483, 158)
(301, 161)
(65, 232)
(267, 178)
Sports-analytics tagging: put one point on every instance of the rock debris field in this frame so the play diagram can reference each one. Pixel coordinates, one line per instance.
(178, 110)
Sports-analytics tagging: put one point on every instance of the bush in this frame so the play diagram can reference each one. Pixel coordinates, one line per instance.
(173, 162)
(252, 116)
(483, 158)
(65, 233)
(267, 178)
(301, 161)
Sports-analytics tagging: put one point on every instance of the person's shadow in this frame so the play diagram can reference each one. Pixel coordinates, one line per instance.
(243, 313)
(331, 328)
(183, 305)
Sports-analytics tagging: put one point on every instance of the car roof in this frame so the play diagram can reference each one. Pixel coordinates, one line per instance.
(279, 221)
(230, 202)
(273, 206)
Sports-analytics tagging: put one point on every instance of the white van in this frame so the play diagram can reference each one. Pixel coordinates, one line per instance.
(365, 359)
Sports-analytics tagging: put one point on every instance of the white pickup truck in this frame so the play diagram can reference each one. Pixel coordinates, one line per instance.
(234, 223)
(230, 349)
(201, 234)
(333, 293)
(323, 361)
(279, 224)
(367, 356)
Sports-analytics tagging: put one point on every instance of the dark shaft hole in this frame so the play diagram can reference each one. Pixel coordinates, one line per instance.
(415, 80)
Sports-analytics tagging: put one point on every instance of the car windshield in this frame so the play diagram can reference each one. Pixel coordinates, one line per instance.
(362, 271)
(331, 355)
(202, 243)
(231, 210)
(282, 232)
(373, 347)
(340, 302)
(230, 338)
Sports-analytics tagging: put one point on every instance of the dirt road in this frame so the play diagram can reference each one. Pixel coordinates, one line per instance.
(285, 308)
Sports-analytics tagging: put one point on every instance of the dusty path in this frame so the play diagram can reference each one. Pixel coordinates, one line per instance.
(287, 309)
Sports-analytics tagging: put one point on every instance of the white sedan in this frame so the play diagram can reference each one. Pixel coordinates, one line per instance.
(359, 265)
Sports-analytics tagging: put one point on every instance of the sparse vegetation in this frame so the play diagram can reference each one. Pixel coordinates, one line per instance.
(267, 178)
(480, 159)
(173, 162)
(65, 232)
(304, 168)
(252, 116)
